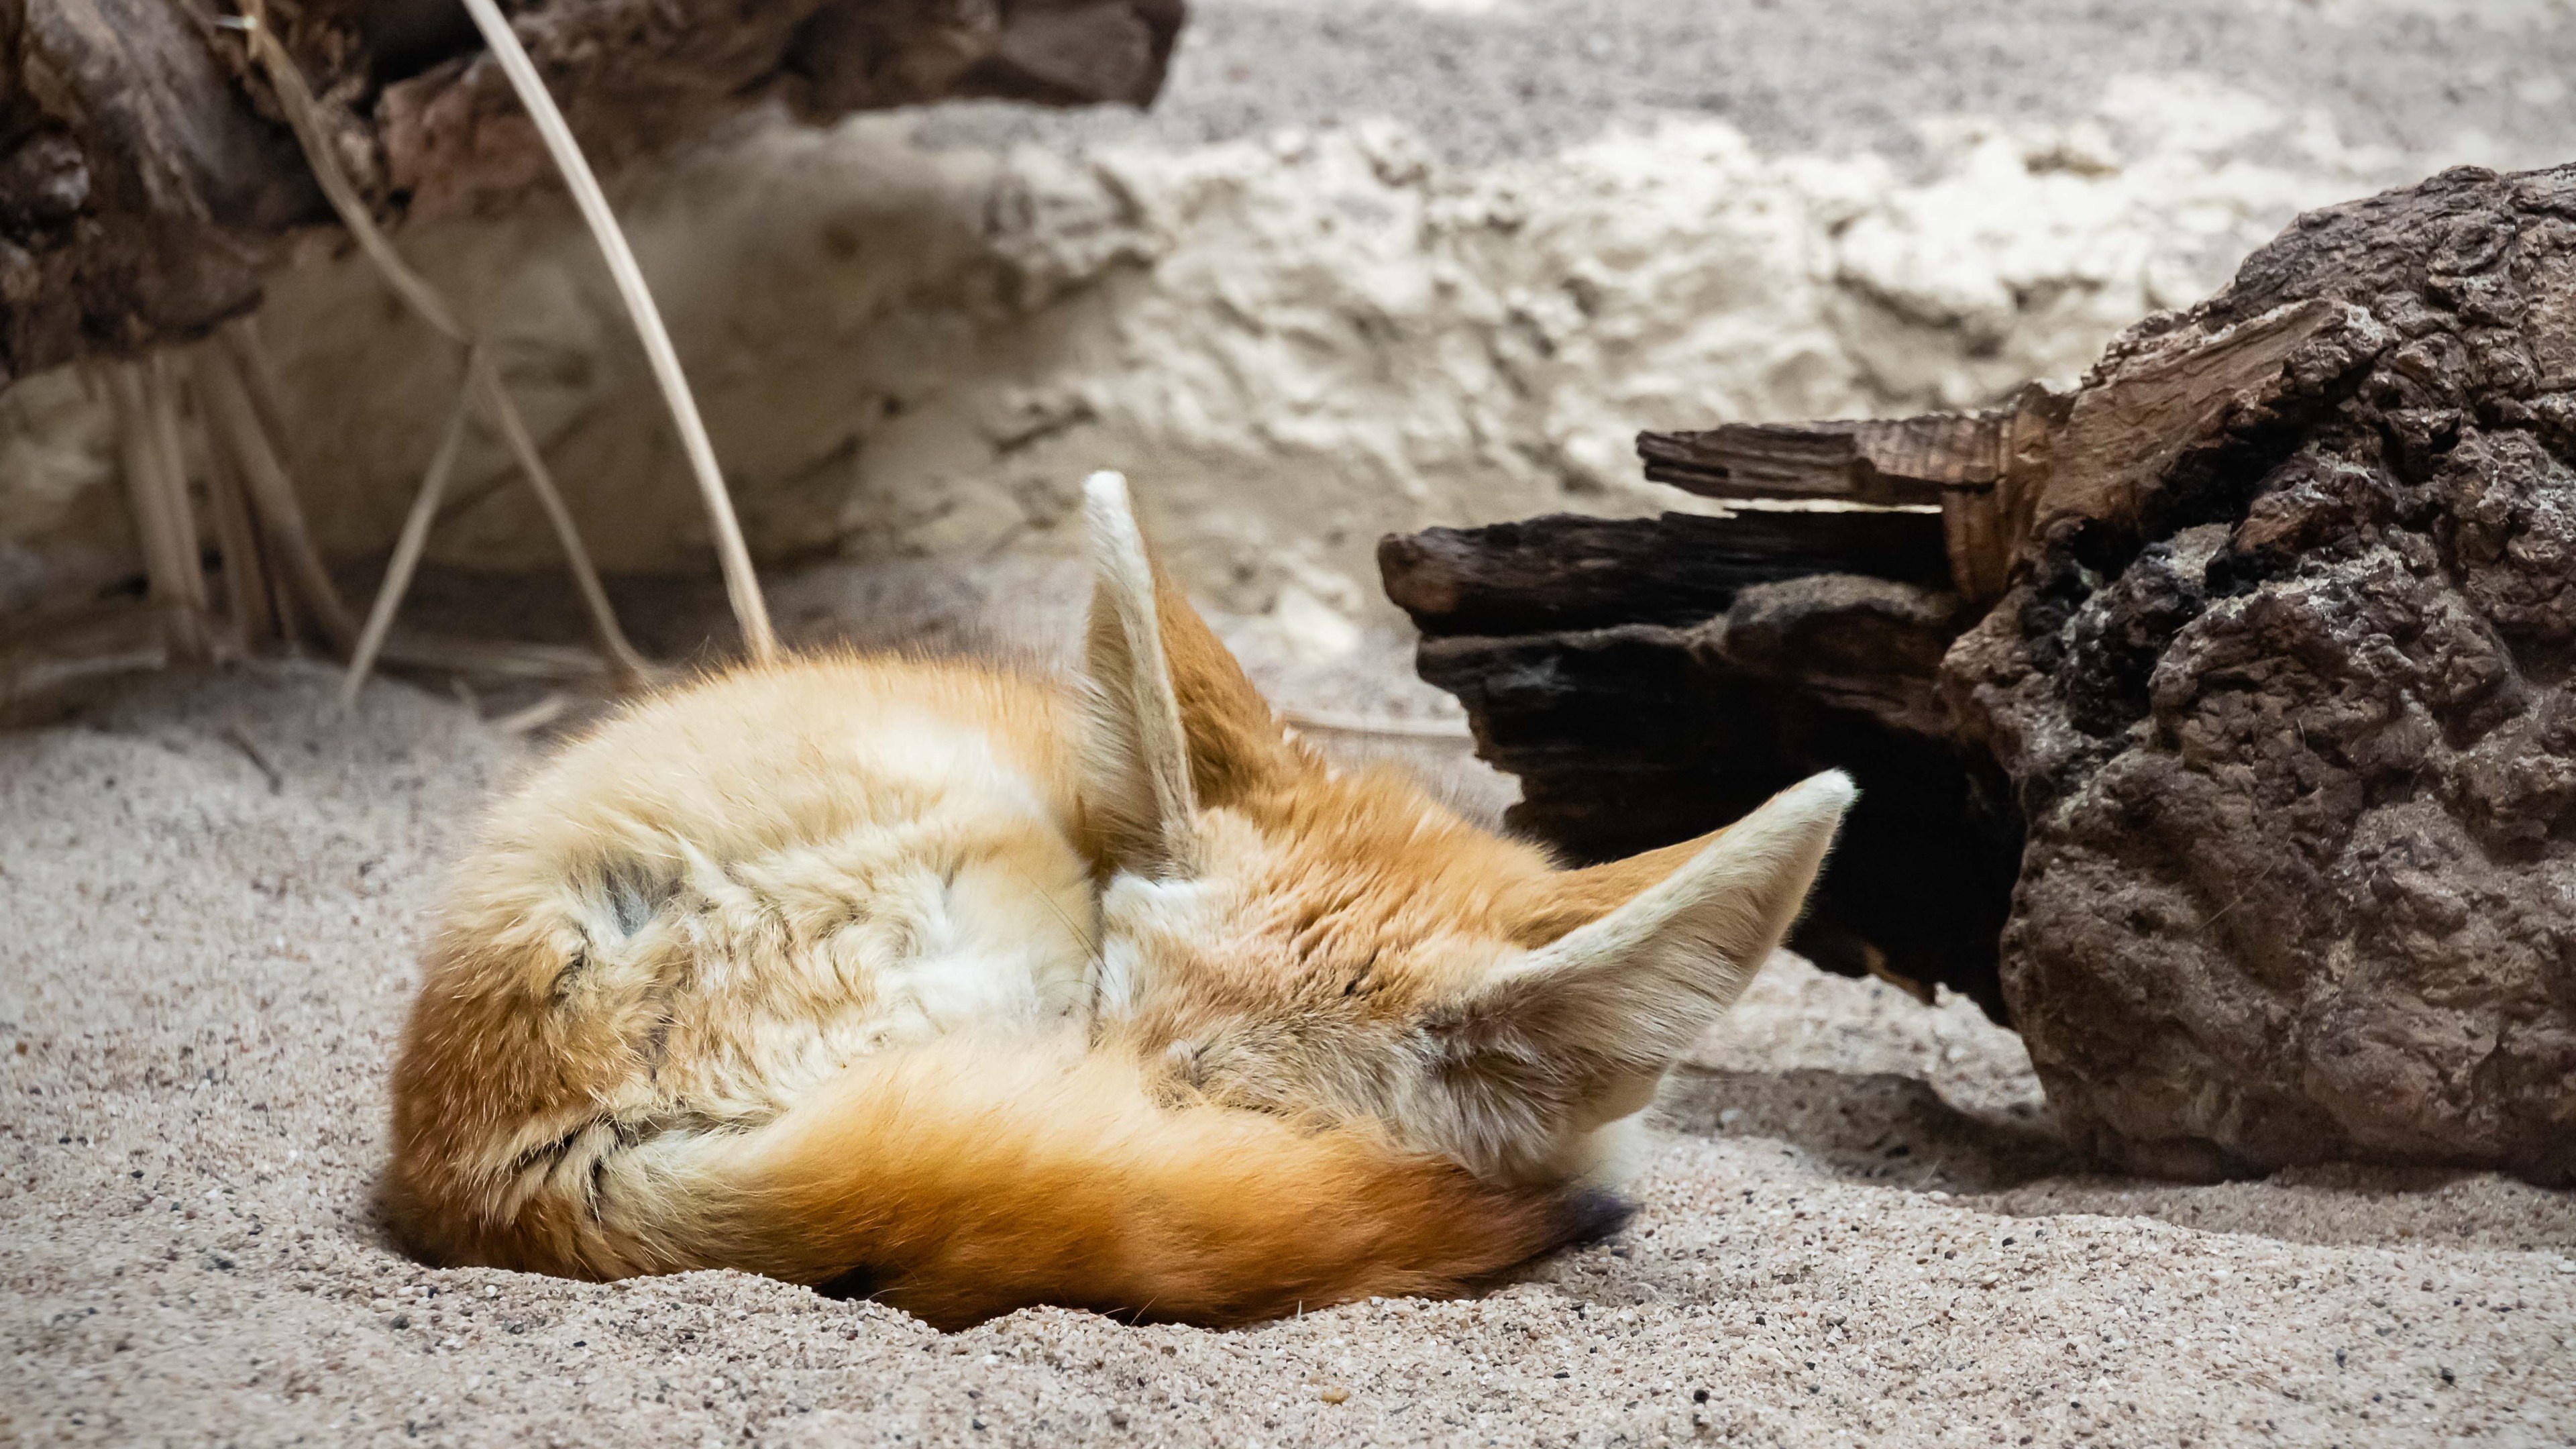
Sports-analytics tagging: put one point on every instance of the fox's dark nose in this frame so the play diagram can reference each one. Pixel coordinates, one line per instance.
(1589, 1215)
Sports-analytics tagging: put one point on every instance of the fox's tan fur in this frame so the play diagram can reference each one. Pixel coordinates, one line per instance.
(972, 991)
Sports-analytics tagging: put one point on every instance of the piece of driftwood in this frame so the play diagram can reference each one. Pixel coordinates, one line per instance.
(1647, 678)
(147, 179)
(1635, 734)
(1981, 469)
(1565, 571)
(2232, 762)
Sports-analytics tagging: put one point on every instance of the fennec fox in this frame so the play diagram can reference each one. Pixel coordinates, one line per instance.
(970, 991)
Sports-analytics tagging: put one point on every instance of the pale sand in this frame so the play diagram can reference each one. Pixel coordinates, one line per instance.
(1859, 1231)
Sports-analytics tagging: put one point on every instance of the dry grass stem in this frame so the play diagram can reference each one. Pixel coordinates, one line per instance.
(161, 405)
(485, 381)
(240, 337)
(246, 584)
(281, 599)
(237, 734)
(235, 426)
(167, 539)
(742, 585)
(407, 551)
(1336, 723)
(56, 647)
(466, 501)
(508, 659)
(304, 118)
(535, 717)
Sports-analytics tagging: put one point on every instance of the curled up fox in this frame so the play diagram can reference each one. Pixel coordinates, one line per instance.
(970, 990)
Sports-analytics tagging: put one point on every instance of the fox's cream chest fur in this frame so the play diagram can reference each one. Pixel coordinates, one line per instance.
(973, 990)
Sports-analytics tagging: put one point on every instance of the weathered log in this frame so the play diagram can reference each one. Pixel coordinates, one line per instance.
(1646, 678)
(1981, 469)
(1635, 735)
(1570, 572)
(140, 190)
(2272, 734)
(1908, 461)
(146, 182)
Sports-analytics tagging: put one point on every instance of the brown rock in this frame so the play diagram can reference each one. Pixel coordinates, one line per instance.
(2283, 697)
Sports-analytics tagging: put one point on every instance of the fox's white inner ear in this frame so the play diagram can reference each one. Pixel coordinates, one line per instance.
(1630, 992)
(1137, 762)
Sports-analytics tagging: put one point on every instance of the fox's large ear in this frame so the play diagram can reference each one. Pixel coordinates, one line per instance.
(1614, 1001)
(1136, 762)
(1175, 724)
(1569, 899)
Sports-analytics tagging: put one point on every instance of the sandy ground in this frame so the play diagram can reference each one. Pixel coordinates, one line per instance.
(1859, 1230)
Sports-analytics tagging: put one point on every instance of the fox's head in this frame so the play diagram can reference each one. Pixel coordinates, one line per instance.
(1282, 935)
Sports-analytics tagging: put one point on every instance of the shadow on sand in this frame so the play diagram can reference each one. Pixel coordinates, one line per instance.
(1896, 1131)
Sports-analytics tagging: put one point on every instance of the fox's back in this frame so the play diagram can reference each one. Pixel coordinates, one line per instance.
(696, 914)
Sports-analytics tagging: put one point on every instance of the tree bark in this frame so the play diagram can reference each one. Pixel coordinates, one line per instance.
(1569, 572)
(147, 183)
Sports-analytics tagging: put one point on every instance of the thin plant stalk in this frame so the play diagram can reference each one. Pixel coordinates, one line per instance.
(406, 557)
(165, 556)
(281, 599)
(246, 594)
(485, 379)
(235, 425)
(161, 403)
(304, 118)
(258, 374)
(535, 717)
(483, 384)
(513, 659)
(742, 585)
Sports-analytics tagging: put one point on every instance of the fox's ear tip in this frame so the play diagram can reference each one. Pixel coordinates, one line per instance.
(1117, 545)
(1106, 488)
(1831, 791)
(1110, 512)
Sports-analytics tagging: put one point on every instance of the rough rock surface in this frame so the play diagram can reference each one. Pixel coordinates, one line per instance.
(2285, 704)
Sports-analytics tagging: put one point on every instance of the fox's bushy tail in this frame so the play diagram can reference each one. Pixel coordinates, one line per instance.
(965, 1178)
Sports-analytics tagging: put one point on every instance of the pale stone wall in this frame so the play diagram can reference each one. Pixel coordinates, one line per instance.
(1293, 345)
